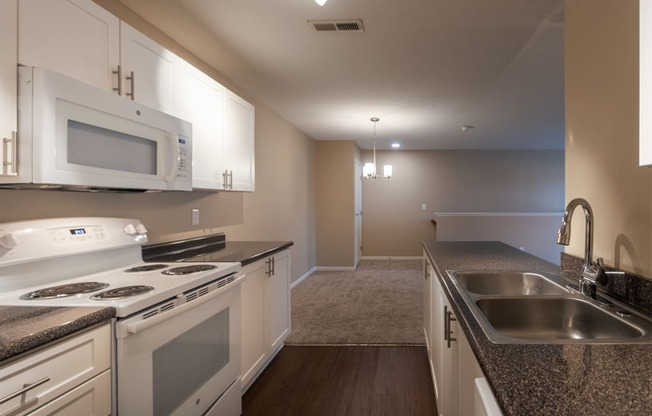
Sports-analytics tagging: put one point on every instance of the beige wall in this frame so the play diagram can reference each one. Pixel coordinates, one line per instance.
(282, 208)
(335, 203)
(394, 223)
(602, 132)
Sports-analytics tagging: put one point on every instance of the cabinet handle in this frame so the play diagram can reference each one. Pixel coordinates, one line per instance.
(449, 318)
(228, 179)
(270, 267)
(273, 266)
(445, 323)
(25, 389)
(132, 93)
(118, 72)
(10, 167)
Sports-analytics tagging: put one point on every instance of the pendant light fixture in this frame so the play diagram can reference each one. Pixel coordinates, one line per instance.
(369, 169)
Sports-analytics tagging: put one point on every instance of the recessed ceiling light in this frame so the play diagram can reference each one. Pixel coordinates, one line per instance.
(396, 145)
(467, 127)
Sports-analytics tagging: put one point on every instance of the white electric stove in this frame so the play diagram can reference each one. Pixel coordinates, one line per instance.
(177, 326)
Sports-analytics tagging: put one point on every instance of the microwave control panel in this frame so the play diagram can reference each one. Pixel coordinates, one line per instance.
(184, 156)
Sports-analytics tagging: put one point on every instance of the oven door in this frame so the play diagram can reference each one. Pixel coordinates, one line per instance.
(180, 362)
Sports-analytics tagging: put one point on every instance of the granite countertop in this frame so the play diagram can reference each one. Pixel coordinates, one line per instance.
(245, 252)
(23, 328)
(545, 379)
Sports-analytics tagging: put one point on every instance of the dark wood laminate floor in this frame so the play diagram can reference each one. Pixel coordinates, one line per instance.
(343, 381)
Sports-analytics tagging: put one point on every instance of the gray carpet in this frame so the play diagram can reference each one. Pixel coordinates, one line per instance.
(379, 303)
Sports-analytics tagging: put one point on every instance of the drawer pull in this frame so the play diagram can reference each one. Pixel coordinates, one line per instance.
(25, 389)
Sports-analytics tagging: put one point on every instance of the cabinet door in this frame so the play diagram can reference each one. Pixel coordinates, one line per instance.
(468, 370)
(445, 357)
(277, 305)
(645, 83)
(8, 84)
(253, 321)
(150, 73)
(90, 398)
(237, 146)
(202, 101)
(77, 38)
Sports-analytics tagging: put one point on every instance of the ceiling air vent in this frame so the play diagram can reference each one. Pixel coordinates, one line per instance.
(336, 25)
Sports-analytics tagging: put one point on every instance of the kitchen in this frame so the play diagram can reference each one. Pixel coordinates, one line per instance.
(601, 159)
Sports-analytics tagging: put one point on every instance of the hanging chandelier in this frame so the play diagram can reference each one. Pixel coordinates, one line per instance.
(369, 169)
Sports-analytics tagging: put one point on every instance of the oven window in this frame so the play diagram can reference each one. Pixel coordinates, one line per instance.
(187, 362)
(108, 149)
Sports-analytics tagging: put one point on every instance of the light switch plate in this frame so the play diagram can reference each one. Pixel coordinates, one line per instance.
(195, 216)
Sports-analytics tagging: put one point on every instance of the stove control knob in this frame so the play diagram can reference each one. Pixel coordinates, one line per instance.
(130, 229)
(8, 241)
(141, 228)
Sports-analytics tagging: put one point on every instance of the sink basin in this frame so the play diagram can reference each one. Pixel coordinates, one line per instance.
(532, 307)
(559, 318)
(509, 283)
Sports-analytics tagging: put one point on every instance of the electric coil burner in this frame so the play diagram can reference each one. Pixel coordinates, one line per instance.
(146, 268)
(196, 268)
(61, 291)
(122, 292)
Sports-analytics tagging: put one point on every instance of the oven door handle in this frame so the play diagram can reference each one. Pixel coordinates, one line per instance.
(125, 328)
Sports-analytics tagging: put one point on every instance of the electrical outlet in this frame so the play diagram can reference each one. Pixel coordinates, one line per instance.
(423, 207)
(195, 216)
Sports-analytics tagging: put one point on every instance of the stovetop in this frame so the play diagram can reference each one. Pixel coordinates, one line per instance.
(102, 252)
(164, 286)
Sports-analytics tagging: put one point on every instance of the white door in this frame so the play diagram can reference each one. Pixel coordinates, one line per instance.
(357, 213)
(8, 83)
(237, 144)
(77, 38)
(150, 73)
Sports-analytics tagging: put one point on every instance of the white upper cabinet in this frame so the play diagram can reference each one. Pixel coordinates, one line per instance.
(645, 83)
(202, 102)
(237, 146)
(150, 73)
(8, 85)
(77, 38)
(222, 130)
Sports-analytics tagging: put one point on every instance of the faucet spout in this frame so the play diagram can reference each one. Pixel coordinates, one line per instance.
(589, 272)
(563, 235)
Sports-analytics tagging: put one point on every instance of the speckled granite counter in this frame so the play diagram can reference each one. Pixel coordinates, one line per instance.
(23, 328)
(545, 379)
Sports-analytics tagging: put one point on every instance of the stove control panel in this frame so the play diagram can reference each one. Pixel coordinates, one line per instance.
(32, 240)
(77, 234)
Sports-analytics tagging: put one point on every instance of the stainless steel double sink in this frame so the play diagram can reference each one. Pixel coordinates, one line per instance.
(532, 307)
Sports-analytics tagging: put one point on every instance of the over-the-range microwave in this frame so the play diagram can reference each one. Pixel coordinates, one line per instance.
(76, 136)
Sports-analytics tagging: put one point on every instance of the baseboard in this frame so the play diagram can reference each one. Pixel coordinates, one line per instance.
(302, 278)
(335, 269)
(391, 258)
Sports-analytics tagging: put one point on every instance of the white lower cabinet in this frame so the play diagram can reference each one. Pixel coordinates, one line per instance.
(453, 364)
(71, 377)
(265, 313)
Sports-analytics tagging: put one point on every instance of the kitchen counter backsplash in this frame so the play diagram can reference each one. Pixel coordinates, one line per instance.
(630, 288)
(183, 249)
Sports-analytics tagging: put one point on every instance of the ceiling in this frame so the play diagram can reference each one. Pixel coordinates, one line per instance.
(424, 67)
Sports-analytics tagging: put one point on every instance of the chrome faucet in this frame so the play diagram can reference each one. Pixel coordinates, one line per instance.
(589, 272)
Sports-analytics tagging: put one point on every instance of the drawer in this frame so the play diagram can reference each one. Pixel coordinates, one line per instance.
(91, 398)
(56, 369)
